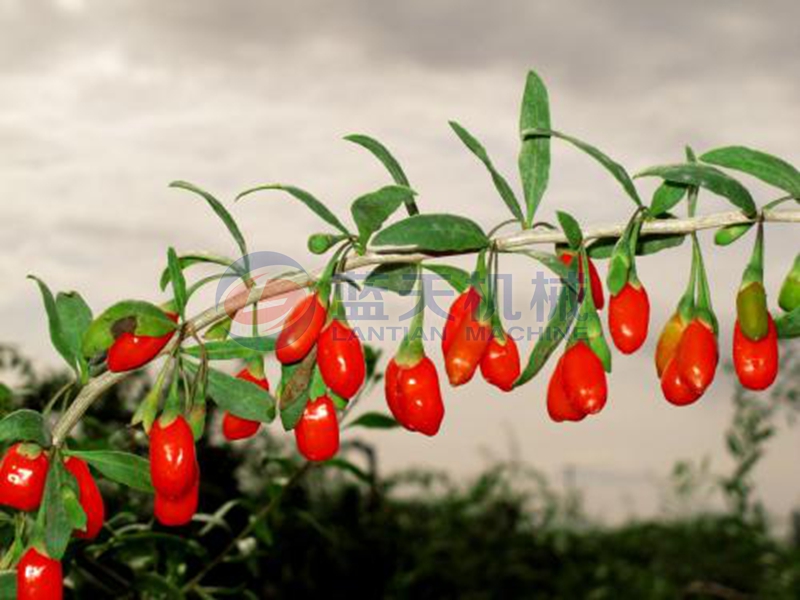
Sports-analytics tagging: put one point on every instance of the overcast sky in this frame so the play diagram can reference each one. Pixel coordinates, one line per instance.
(103, 103)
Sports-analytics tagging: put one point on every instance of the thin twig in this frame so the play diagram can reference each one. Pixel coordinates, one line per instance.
(508, 243)
(248, 529)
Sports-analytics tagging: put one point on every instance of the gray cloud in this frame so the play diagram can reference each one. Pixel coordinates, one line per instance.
(102, 103)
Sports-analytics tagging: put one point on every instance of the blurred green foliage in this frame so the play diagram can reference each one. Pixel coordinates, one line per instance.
(273, 528)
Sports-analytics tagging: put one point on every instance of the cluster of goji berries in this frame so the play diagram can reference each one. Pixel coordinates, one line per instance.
(23, 474)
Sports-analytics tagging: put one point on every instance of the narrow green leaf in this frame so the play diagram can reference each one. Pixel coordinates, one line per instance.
(239, 397)
(294, 389)
(72, 505)
(554, 332)
(74, 317)
(198, 258)
(220, 211)
(306, 198)
(651, 244)
(458, 279)
(500, 183)
(730, 233)
(240, 347)
(374, 420)
(617, 170)
(788, 325)
(143, 318)
(125, 468)
(534, 155)
(766, 167)
(382, 153)
(666, 196)
(434, 233)
(24, 425)
(552, 262)
(57, 335)
(371, 210)
(178, 281)
(706, 177)
(393, 277)
(571, 228)
(58, 526)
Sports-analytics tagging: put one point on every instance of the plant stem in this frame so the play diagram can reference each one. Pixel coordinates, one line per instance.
(290, 282)
(248, 529)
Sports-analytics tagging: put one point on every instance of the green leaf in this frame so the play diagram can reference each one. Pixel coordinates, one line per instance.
(24, 425)
(617, 170)
(766, 167)
(646, 244)
(706, 177)
(72, 505)
(58, 525)
(240, 347)
(534, 155)
(295, 388)
(374, 420)
(239, 397)
(458, 279)
(666, 196)
(500, 184)
(552, 262)
(730, 233)
(394, 277)
(68, 317)
(74, 317)
(306, 198)
(371, 210)
(554, 332)
(178, 281)
(8, 585)
(434, 233)
(125, 468)
(571, 228)
(143, 318)
(788, 325)
(382, 153)
(221, 212)
(198, 258)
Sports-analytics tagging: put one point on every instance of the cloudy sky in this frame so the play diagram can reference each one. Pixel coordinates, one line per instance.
(103, 103)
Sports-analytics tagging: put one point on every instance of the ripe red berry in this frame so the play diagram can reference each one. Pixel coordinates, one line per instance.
(559, 406)
(697, 356)
(39, 577)
(668, 342)
(584, 379)
(756, 363)
(237, 428)
(341, 359)
(414, 396)
(466, 303)
(173, 462)
(628, 317)
(175, 512)
(89, 496)
(130, 351)
(470, 340)
(317, 432)
(594, 278)
(301, 330)
(23, 473)
(500, 364)
(674, 388)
